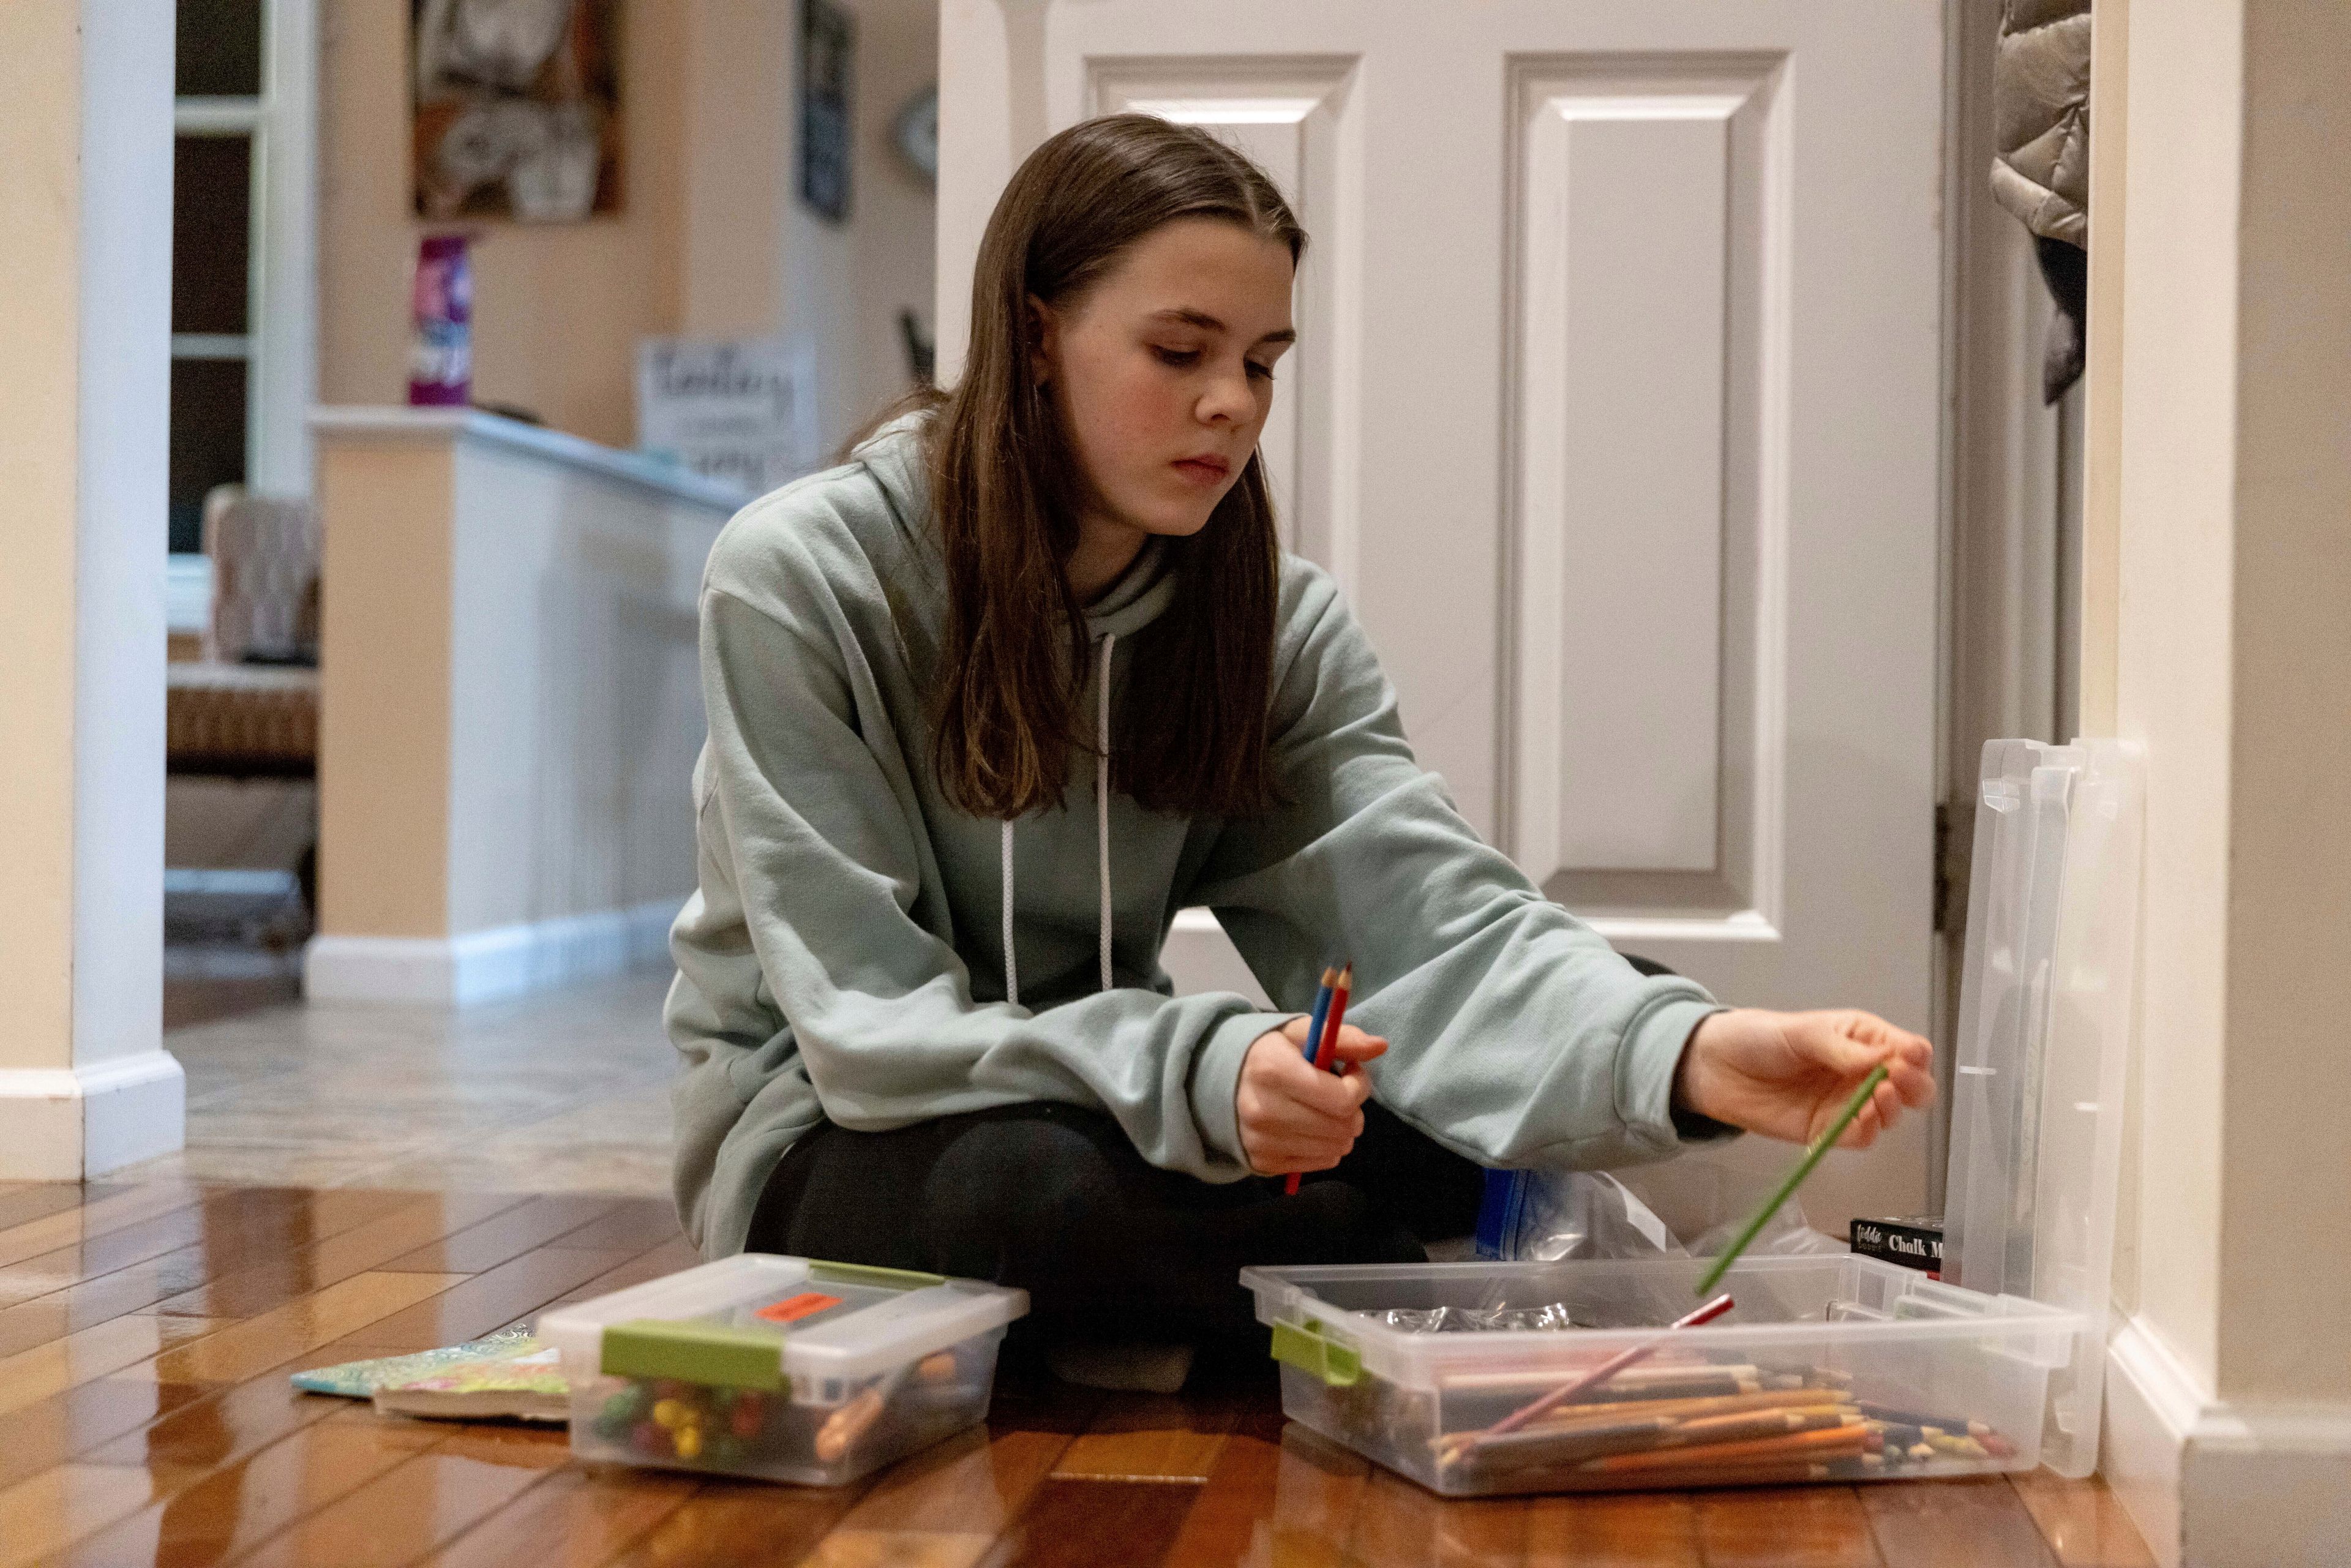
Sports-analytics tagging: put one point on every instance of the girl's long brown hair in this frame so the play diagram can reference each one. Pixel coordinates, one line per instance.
(1190, 734)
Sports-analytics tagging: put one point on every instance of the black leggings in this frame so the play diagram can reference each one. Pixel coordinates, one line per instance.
(1056, 1200)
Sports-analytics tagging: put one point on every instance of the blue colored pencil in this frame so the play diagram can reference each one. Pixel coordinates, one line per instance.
(1322, 1012)
(1314, 1043)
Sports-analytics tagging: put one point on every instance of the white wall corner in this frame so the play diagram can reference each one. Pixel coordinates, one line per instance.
(486, 966)
(73, 1123)
(2214, 1485)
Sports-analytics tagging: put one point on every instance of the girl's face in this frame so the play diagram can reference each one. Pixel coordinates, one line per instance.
(1163, 374)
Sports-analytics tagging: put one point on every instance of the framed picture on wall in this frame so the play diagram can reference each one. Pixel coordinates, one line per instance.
(827, 46)
(516, 109)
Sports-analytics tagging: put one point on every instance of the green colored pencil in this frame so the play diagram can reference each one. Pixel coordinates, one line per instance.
(1821, 1145)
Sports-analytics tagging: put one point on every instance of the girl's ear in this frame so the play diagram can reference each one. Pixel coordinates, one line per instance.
(1044, 332)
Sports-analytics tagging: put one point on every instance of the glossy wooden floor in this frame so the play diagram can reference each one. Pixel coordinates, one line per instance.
(147, 1331)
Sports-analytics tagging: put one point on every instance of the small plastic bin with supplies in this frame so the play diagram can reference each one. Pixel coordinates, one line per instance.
(785, 1368)
(1831, 1367)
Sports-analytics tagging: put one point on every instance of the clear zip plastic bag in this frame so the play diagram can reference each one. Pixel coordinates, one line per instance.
(1548, 1215)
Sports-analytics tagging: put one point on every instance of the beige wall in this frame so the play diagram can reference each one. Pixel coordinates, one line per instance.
(39, 294)
(711, 242)
(2285, 1231)
(85, 313)
(510, 713)
(2227, 360)
(557, 309)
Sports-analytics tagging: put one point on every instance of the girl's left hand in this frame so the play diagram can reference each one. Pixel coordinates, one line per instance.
(1787, 1075)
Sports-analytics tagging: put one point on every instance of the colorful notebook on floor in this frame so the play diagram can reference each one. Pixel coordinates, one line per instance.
(508, 1375)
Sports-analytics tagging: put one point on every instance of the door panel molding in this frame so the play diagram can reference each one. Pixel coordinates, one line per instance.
(1298, 117)
(1644, 589)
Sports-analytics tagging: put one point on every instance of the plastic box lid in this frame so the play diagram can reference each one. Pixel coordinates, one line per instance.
(757, 1320)
(2045, 1015)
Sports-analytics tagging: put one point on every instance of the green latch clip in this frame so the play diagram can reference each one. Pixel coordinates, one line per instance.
(708, 1354)
(870, 1274)
(1307, 1348)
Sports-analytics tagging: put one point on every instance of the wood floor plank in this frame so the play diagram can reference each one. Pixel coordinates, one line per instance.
(935, 1505)
(2082, 1522)
(1242, 1501)
(1070, 1520)
(1318, 1488)
(1785, 1527)
(68, 1226)
(424, 1502)
(1151, 1437)
(576, 1517)
(733, 1525)
(263, 1286)
(1632, 1529)
(177, 1277)
(233, 1218)
(499, 1296)
(21, 1201)
(529, 1225)
(45, 1514)
(1954, 1525)
(207, 1516)
(1398, 1522)
(670, 1258)
(35, 1374)
(633, 1225)
(257, 1343)
(73, 1421)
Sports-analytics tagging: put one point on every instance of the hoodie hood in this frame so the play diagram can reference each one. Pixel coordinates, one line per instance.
(895, 456)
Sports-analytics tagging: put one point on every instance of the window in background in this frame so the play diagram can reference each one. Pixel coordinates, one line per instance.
(243, 290)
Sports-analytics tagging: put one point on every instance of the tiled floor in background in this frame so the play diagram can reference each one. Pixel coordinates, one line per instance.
(567, 1092)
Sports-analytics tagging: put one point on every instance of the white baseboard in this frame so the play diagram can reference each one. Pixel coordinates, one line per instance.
(2214, 1485)
(483, 966)
(70, 1123)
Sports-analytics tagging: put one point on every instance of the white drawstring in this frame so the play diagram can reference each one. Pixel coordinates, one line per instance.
(1011, 969)
(1102, 801)
(1102, 840)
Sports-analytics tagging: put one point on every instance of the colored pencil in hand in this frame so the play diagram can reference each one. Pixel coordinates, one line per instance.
(1322, 1011)
(1328, 1046)
(1820, 1147)
(1323, 1034)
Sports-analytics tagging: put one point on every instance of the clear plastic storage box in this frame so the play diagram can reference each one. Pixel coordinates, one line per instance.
(785, 1368)
(1831, 1367)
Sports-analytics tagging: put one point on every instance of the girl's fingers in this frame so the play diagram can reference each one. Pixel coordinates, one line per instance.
(1288, 1119)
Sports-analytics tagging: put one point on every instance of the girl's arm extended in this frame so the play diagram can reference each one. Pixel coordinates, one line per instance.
(1516, 1035)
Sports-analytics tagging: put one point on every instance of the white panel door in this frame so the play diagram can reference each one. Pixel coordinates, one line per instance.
(1616, 414)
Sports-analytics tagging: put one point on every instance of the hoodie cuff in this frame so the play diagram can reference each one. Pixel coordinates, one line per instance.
(1645, 1077)
(1217, 1078)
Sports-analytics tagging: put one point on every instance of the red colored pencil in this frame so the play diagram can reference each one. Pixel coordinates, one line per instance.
(1328, 1046)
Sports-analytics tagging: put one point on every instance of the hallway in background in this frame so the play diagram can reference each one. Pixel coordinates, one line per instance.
(563, 1092)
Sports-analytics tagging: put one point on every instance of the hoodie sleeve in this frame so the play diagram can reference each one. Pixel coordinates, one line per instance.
(822, 868)
(1517, 1036)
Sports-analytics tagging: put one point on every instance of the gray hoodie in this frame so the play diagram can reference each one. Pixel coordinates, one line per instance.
(862, 952)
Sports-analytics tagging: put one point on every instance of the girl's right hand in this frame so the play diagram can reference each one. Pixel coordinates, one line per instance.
(1292, 1117)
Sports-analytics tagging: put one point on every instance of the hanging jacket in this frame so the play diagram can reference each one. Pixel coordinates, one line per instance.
(2041, 169)
(862, 951)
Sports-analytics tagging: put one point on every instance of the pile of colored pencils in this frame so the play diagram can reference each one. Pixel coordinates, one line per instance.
(1653, 1428)
(1322, 1031)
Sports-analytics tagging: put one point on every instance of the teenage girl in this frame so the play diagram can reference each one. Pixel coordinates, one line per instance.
(1027, 676)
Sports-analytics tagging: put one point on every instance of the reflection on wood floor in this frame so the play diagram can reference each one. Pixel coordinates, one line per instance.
(147, 1329)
